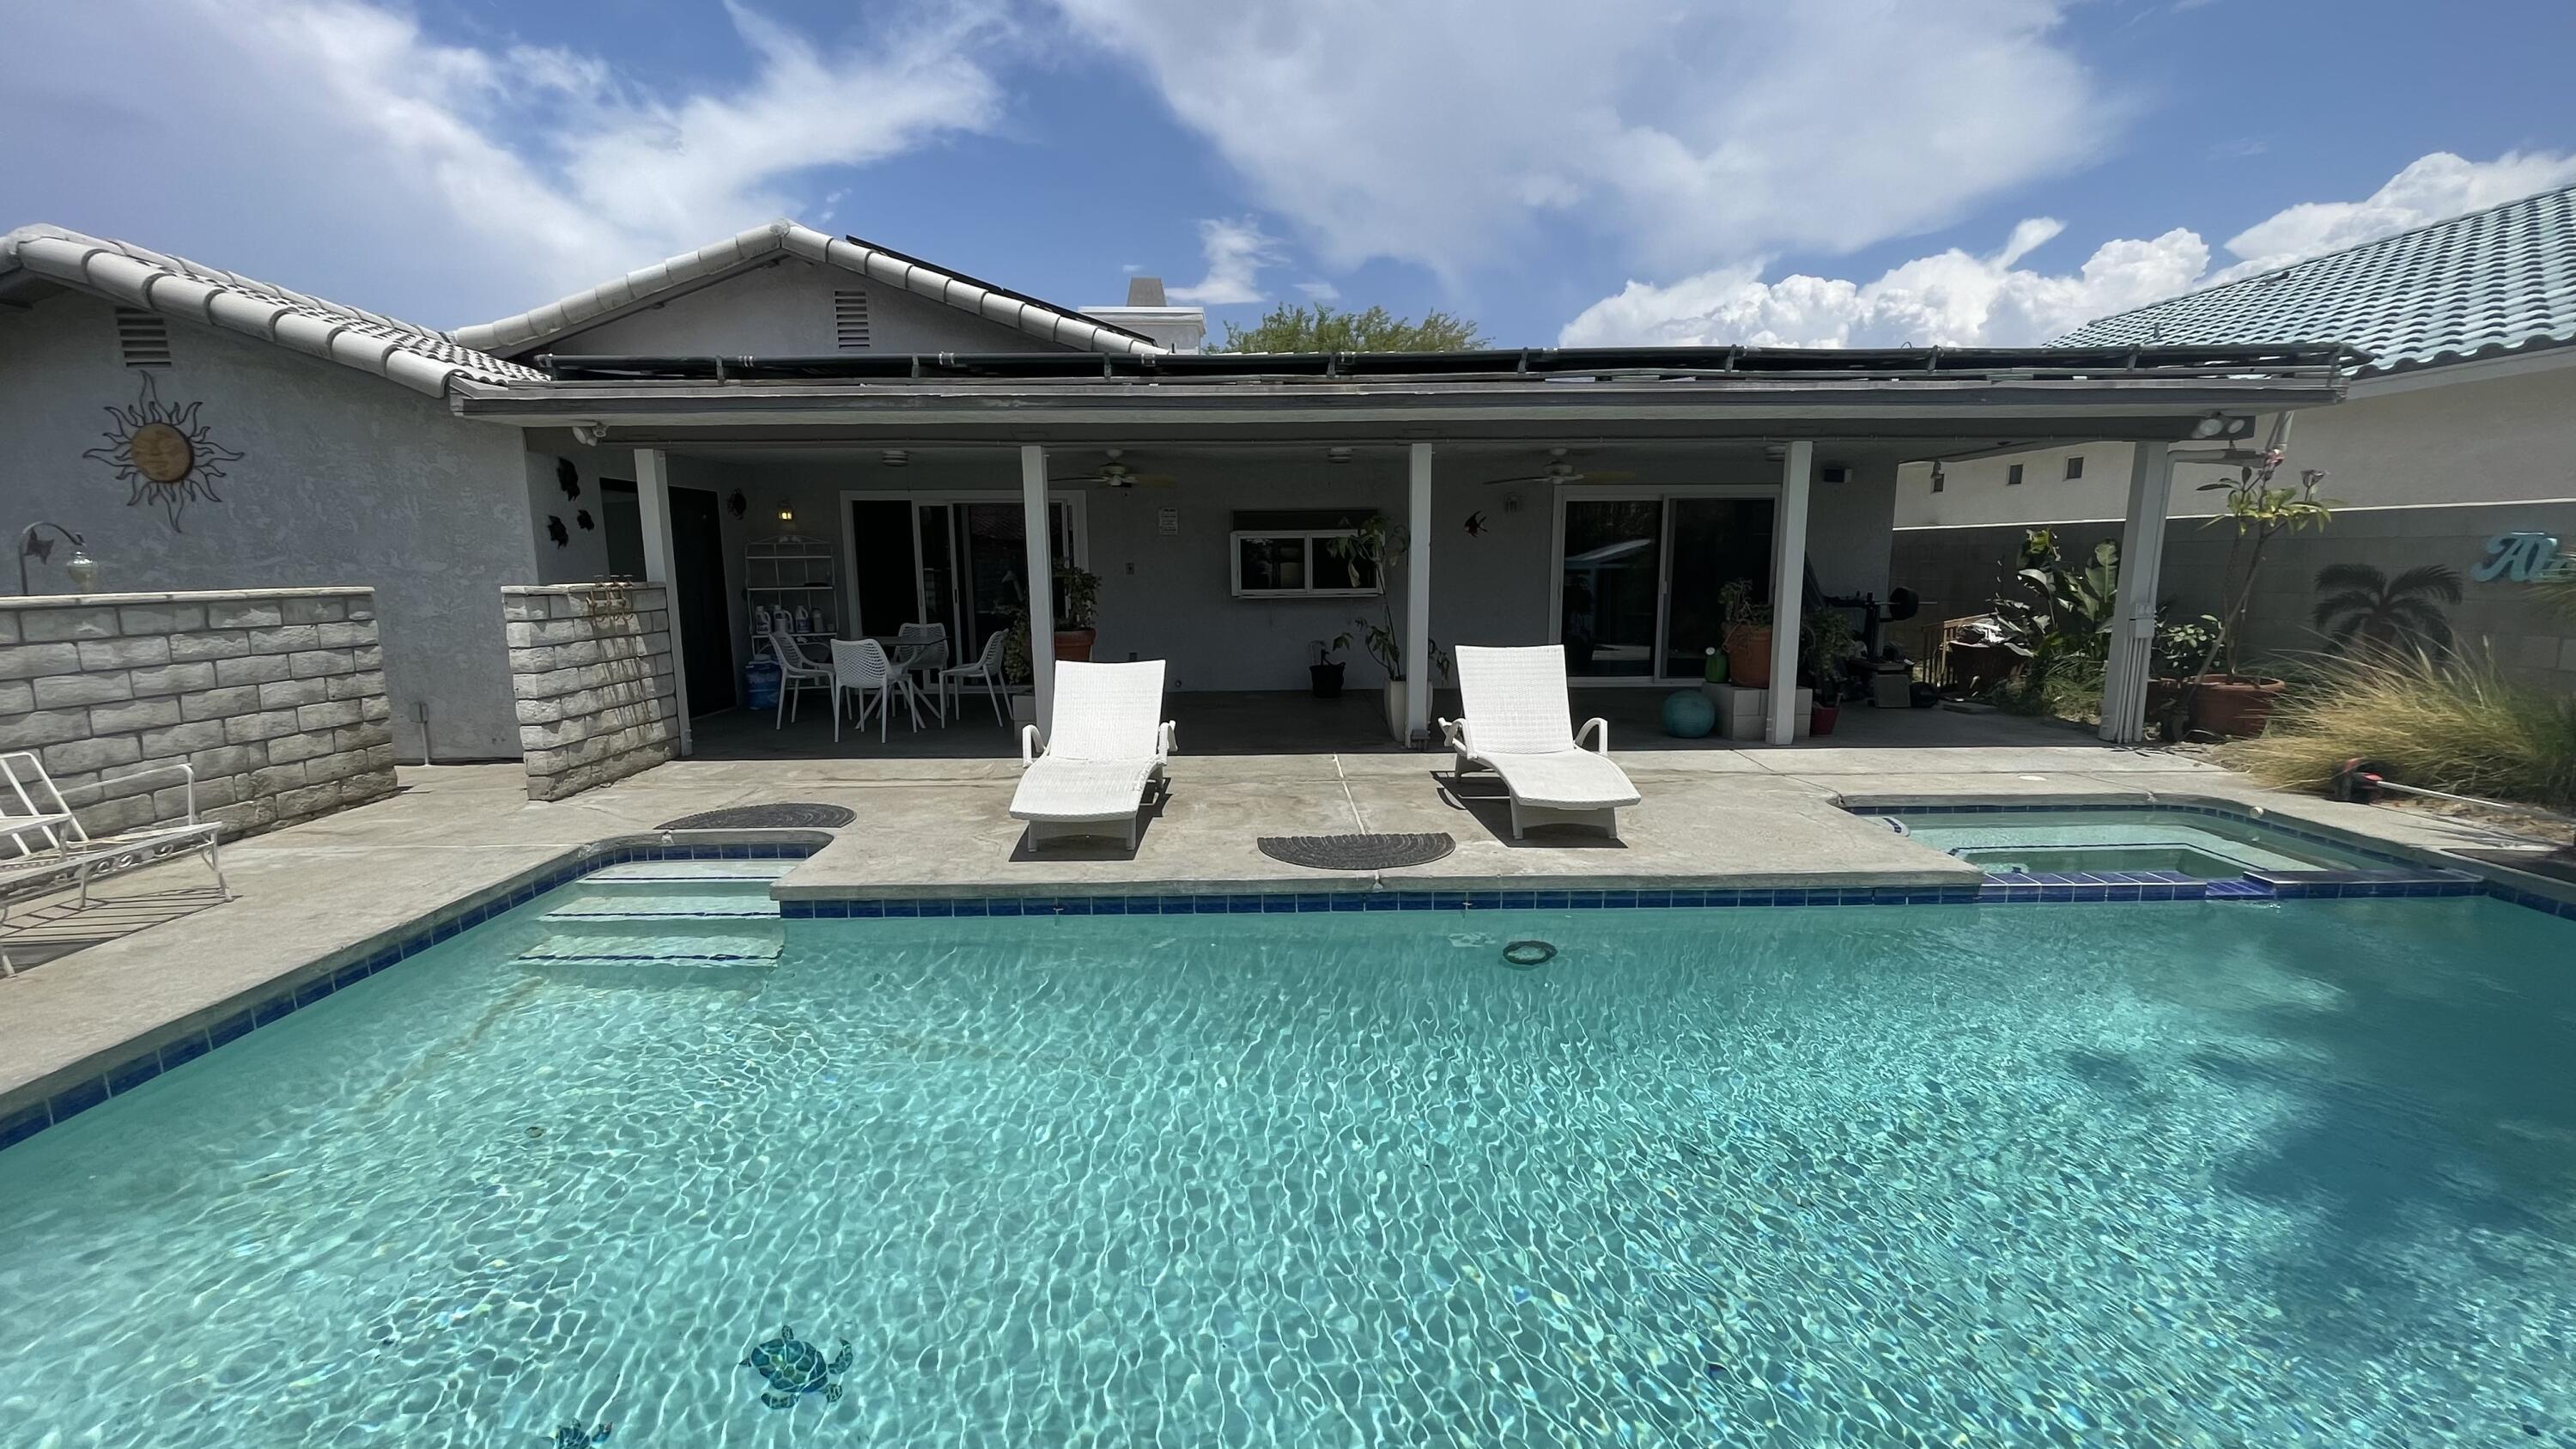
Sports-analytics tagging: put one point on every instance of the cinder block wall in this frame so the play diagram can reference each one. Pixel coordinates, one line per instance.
(590, 668)
(275, 696)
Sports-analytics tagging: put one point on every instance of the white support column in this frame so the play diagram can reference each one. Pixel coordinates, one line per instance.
(1041, 565)
(2133, 628)
(1417, 592)
(1788, 590)
(653, 509)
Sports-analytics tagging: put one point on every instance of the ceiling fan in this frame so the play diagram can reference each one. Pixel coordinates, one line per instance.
(1114, 473)
(1558, 470)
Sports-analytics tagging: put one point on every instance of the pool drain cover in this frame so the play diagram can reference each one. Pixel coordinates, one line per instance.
(1526, 955)
(1357, 852)
(766, 817)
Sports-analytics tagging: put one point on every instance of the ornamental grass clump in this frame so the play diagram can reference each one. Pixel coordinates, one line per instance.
(2449, 722)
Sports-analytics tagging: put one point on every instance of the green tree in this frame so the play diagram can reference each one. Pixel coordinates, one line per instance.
(1294, 328)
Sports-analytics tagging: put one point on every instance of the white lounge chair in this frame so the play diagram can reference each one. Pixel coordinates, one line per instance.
(43, 847)
(1109, 746)
(1517, 724)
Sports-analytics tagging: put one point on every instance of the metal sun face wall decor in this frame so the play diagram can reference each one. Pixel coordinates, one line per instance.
(163, 453)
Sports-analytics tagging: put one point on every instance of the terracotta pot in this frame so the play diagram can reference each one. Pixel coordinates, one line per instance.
(1820, 720)
(1748, 656)
(2232, 704)
(1075, 644)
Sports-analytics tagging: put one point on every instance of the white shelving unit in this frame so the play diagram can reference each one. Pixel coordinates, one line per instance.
(791, 572)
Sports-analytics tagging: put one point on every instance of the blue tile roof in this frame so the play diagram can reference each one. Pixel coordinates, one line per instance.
(2493, 281)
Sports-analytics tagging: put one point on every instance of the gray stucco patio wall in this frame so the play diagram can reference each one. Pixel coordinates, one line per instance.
(275, 697)
(341, 476)
(596, 694)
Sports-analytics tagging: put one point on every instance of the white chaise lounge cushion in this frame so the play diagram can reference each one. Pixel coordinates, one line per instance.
(1569, 779)
(1067, 791)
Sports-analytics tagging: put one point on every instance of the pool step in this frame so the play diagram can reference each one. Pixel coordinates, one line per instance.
(694, 871)
(662, 901)
(699, 941)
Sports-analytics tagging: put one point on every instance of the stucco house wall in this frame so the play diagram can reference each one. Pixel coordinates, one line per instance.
(1170, 596)
(783, 307)
(2426, 468)
(2497, 432)
(344, 478)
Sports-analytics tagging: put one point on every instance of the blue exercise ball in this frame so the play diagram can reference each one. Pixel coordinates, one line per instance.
(1689, 714)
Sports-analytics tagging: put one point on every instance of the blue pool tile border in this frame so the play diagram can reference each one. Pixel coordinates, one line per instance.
(365, 961)
(1287, 903)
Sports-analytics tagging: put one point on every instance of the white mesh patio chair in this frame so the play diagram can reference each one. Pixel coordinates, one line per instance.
(1517, 723)
(983, 672)
(922, 649)
(1110, 745)
(862, 665)
(44, 848)
(797, 672)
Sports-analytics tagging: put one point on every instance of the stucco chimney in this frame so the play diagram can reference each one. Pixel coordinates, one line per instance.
(1145, 292)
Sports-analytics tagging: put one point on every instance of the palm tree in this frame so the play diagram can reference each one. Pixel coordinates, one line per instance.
(2362, 603)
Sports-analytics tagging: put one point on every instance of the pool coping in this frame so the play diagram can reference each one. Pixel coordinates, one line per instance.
(57, 1096)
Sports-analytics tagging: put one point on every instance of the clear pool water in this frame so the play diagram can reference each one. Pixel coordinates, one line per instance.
(2209, 846)
(2159, 1174)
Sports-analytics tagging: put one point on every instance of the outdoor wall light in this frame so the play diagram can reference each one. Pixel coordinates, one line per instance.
(2222, 425)
(80, 568)
(786, 514)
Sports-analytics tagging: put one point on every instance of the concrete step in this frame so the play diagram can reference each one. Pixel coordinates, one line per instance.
(671, 901)
(700, 941)
(690, 870)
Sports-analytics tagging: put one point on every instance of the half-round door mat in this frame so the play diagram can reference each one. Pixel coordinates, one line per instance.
(1357, 852)
(766, 817)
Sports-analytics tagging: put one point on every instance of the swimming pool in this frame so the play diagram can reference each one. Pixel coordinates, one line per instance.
(2198, 843)
(2231, 1173)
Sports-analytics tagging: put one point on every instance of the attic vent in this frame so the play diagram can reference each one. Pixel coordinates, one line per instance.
(142, 338)
(850, 321)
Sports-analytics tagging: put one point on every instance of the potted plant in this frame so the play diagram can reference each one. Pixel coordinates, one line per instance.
(2228, 701)
(1077, 612)
(1325, 674)
(1746, 630)
(1825, 641)
(1380, 640)
(1377, 542)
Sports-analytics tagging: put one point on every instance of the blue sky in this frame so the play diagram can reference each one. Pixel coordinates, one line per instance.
(1863, 173)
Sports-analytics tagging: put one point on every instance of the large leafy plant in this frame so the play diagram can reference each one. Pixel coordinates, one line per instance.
(2063, 609)
(1376, 543)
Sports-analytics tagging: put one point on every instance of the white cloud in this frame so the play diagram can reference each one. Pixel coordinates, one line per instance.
(335, 147)
(1319, 290)
(1236, 251)
(1451, 133)
(1953, 298)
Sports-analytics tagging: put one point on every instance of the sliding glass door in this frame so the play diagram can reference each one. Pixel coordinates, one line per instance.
(962, 562)
(1640, 573)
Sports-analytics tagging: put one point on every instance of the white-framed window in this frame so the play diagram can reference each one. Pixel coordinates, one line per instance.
(1299, 563)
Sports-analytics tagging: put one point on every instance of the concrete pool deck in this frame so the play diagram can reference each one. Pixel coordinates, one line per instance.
(930, 826)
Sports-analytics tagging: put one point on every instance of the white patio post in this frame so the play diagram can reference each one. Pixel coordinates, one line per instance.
(1788, 590)
(1417, 593)
(653, 509)
(2133, 628)
(1033, 506)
